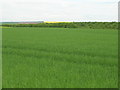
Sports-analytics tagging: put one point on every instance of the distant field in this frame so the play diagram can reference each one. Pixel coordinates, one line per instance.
(4, 27)
(56, 22)
(60, 58)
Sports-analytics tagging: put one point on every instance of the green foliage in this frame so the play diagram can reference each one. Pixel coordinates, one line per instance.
(92, 25)
(60, 58)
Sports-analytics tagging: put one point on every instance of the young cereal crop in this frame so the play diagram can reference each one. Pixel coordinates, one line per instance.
(60, 58)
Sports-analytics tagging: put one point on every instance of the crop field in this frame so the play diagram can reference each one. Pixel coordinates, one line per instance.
(60, 58)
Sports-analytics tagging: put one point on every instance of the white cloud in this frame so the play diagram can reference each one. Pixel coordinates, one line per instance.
(59, 10)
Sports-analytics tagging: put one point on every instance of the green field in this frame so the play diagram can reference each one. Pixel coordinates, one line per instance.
(60, 58)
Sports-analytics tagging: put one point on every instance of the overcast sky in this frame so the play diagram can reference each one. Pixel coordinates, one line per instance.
(59, 10)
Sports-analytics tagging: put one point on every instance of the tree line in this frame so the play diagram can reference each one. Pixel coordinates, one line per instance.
(92, 25)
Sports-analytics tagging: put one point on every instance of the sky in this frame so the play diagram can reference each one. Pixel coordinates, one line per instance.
(59, 10)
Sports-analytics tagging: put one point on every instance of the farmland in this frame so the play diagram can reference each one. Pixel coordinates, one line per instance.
(91, 25)
(60, 58)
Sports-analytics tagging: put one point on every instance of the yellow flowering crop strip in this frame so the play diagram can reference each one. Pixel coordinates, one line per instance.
(56, 22)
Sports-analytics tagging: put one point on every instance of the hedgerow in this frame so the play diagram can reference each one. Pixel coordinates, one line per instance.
(92, 25)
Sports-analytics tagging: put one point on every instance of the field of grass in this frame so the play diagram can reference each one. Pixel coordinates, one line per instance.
(0, 58)
(60, 58)
(4, 27)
